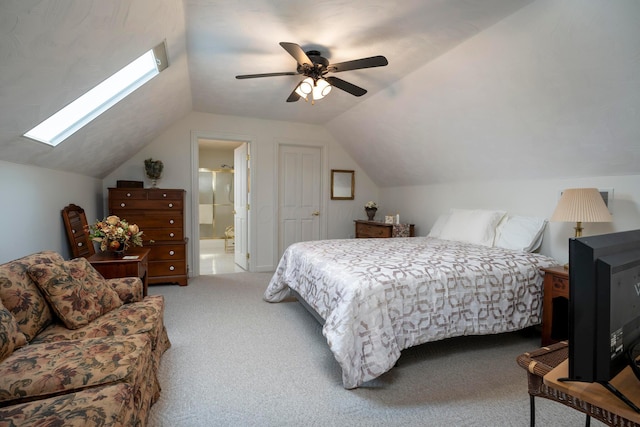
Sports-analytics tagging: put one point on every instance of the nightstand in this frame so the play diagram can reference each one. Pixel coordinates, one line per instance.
(369, 229)
(555, 306)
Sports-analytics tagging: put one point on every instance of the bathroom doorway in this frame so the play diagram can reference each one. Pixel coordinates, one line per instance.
(216, 173)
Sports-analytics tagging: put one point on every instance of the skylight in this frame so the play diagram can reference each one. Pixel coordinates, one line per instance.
(80, 112)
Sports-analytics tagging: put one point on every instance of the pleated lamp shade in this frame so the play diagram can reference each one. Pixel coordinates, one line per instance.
(581, 205)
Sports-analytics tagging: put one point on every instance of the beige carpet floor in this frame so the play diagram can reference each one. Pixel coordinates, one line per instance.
(236, 360)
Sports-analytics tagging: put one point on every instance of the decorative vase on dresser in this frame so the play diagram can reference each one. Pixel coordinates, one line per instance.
(371, 213)
(160, 214)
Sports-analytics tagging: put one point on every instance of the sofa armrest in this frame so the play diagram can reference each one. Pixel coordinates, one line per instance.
(129, 289)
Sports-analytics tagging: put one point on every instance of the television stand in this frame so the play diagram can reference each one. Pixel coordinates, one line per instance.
(625, 384)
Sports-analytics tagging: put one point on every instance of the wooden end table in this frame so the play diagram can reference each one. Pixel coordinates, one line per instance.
(133, 263)
(555, 307)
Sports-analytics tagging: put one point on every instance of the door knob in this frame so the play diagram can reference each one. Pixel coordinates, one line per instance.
(316, 213)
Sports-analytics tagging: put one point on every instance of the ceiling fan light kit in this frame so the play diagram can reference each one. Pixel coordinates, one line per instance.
(314, 67)
(317, 88)
(321, 89)
(305, 87)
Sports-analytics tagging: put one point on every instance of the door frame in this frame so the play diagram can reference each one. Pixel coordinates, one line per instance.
(194, 244)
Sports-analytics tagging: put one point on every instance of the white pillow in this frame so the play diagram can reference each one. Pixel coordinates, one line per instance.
(473, 226)
(439, 225)
(522, 233)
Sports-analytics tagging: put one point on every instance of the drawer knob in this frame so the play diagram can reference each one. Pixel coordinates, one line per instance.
(122, 205)
(172, 268)
(172, 253)
(164, 194)
(170, 221)
(170, 205)
(128, 194)
(171, 234)
(80, 244)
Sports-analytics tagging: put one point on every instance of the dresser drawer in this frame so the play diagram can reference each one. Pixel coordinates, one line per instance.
(127, 193)
(167, 252)
(145, 204)
(163, 234)
(162, 194)
(167, 268)
(560, 286)
(151, 219)
(372, 231)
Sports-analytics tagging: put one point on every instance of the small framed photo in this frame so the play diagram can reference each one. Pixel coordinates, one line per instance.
(388, 219)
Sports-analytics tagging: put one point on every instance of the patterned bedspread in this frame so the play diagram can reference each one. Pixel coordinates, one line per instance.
(380, 296)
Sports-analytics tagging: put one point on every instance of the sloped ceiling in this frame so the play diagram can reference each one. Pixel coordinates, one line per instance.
(452, 66)
(550, 92)
(51, 52)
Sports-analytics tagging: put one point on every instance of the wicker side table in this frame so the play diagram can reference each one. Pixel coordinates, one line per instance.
(540, 362)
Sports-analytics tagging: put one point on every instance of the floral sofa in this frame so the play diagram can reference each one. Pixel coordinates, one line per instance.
(76, 349)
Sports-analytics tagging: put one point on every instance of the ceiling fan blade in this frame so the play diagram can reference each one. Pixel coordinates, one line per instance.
(253, 76)
(346, 86)
(294, 96)
(297, 52)
(356, 64)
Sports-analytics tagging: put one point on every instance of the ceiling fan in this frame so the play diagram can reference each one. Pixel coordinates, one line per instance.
(315, 67)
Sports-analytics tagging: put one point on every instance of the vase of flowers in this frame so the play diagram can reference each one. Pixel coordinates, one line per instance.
(371, 208)
(153, 169)
(115, 234)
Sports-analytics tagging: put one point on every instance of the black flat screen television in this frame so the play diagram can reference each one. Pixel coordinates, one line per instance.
(604, 304)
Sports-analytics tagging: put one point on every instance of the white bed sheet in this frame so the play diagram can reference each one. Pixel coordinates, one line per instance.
(380, 296)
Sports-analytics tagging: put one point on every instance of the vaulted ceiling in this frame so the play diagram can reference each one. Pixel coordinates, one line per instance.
(53, 51)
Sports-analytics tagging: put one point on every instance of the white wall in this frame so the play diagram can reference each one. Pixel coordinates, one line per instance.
(33, 198)
(174, 148)
(421, 205)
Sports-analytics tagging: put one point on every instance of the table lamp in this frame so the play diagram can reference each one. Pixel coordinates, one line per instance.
(581, 205)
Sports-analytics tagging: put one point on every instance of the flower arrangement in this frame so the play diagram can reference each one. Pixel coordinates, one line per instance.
(115, 234)
(153, 169)
(371, 205)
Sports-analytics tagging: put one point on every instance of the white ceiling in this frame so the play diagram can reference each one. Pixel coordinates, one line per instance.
(52, 51)
(228, 38)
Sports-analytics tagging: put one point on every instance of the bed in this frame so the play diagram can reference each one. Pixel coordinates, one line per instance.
(376, 297)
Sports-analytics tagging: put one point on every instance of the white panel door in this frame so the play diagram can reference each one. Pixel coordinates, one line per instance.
(299, 189)
(241, 212)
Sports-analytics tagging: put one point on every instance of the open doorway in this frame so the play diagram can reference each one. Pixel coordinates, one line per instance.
(216, 205)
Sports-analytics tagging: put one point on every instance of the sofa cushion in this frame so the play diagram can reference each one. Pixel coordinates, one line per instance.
(76, 291)
(10, 336)
(43, 370)
(22, 296)
(144, 317)
(109, 405)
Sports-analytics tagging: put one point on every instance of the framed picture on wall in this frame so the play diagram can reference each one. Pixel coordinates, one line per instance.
(342, 184)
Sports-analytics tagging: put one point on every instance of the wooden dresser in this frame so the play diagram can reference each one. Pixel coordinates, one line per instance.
(160, 215)
(369, 229)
